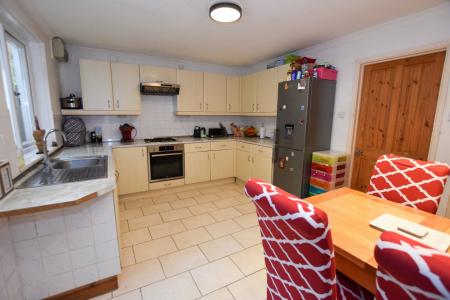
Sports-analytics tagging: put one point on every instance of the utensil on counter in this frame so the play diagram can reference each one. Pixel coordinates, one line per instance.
(197, 132)
(71, 102)
(38, 136)
(127, 133)
(203, 132)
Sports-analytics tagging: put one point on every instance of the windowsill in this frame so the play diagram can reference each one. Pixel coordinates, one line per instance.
(32, 158)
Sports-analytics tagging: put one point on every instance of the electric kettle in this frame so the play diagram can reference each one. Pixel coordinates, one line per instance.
(127, 133)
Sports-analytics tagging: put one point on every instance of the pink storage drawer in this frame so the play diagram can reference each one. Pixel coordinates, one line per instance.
(328, 74)
(327, 176)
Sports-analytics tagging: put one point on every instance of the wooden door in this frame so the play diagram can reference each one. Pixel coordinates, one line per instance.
(243, 165)
(267, 90)
(197, 167)
(215, 92)
(222, 164)
(233, 94)
(397, 109)
(96, 84)
(191, 91)
(125, 83)
(132, 168)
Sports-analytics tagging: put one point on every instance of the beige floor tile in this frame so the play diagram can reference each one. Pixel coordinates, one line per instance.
(176, 214)
(228, 186)
(247, 221)
(180, 287)
(135, 237)
(222, 294)
(145, 221)
(133, 295)
(221, 247)
(165, 198)
(166, 229)
(225, 214)
(139, 275)
(209, 190)
(183, 260)
(156, 208)
(131, 197)
(131, 214)
(223, 228)
(138, 203)
(106, 296)
(228, 194)
(228, 202)
(154, 248)
(250, 260)
(216, 275)
(246, 208)
(188, 194)
(243, 199)
(203, 208)
(252, 287)
(198, 221)
(183, 203)
(248, 237)
(124, 226)
(191, 238)
(206, 198)
(127, 257)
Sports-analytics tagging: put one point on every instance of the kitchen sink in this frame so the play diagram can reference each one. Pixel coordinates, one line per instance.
(68, 170)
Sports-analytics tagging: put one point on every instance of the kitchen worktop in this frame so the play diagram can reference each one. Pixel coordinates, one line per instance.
(22, 201)
(266, 142)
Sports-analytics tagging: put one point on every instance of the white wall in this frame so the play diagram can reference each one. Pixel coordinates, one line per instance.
(158, 112)
(402, 36)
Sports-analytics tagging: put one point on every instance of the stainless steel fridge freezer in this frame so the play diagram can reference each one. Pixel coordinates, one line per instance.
(304, 122)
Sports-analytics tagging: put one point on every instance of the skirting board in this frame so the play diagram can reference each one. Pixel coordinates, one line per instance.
(88, 291)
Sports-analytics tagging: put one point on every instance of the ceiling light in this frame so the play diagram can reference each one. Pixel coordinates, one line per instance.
(225, 12)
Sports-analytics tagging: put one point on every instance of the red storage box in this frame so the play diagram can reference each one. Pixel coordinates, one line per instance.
(330, 169)
(328, 74)
(327, 176)
(326, 185)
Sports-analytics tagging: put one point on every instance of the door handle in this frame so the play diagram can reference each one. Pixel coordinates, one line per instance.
(109, 104)
(229, 107)
(358, 152)
(118, 104)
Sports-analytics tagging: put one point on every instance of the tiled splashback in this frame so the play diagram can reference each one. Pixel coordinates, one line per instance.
(10, 280)
(158, 119)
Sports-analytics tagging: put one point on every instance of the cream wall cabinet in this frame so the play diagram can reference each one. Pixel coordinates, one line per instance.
(190, 98)
(215, 92)
(96, 85)
(233, 94)
(125, 84)
(267, 90)
(197, 167)
(248, 93)
(132, 169)
(155, 74)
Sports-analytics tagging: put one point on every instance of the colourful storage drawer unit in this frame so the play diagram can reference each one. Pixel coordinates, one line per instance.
(330, 169)
(312, 191)
(329, 157)
(326, 185)
(327, 176)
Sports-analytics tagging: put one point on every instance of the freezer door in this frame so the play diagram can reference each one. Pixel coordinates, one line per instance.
(288, 170)
(292, 113)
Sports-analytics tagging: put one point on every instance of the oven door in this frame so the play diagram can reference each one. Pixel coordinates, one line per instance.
(165, 165)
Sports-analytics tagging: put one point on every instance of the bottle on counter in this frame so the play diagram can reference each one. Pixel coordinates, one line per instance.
(262, 131)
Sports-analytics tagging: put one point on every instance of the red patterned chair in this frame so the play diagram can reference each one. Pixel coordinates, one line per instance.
(411, 182)
(298, 250)
(410, 270)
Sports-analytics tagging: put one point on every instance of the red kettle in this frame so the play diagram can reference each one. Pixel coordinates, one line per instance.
(127, 133)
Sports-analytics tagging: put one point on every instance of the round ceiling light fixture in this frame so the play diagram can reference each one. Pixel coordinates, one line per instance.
(225, 12)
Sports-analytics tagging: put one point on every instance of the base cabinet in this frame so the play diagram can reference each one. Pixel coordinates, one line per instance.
(222, 164)
(243, 165)
(262, 167)
(253, 161)
(132, 169)
(197, 167)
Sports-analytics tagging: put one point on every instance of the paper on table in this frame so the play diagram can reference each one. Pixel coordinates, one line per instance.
(430, 237)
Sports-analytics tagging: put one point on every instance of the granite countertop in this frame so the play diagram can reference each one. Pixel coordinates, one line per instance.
(22, 201)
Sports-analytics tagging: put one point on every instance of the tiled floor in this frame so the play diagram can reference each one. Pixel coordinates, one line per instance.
(196, 244)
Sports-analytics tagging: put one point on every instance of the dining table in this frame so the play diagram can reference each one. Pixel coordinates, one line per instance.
(349, 214)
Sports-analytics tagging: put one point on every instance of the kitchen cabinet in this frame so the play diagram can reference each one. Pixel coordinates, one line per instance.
(197, 167)
(267, 90)
(215, 92)
(248, 93)
(125, 85)
(222, 164)
(253, 161)
(190, 98)
(233, 94)
(261, 167)
(243, 165)
(155, 74)
(96, 85)
(132, 169)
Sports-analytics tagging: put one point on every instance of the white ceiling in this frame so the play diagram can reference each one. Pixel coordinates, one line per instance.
(183, 29)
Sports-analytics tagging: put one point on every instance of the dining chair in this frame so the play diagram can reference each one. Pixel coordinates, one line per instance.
(298, 249)
(410, 270)
(410, 182)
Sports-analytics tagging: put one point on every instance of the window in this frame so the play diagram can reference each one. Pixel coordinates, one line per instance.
(20, 102)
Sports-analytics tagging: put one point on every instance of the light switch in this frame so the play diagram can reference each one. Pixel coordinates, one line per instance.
(340, 114)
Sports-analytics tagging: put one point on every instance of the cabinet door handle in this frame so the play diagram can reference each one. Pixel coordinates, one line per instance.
(206, 106)
(109, 104)
(214, 156)
(229, 107)
(118, 104)
(257, 107)
(253, 107)
(248, 158)
(200, 106)
(143, 153)
(208, 156)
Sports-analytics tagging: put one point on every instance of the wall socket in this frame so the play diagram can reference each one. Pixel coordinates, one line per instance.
(340, 114)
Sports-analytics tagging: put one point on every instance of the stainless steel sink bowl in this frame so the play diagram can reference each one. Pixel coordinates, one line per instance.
(68, 170)
(75, 163)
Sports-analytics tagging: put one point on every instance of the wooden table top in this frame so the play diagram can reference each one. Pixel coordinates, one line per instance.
(349, 214)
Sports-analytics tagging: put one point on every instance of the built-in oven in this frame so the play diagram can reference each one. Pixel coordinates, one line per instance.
(166, 162)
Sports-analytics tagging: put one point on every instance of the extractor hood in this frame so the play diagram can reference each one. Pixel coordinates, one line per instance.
(159, 88)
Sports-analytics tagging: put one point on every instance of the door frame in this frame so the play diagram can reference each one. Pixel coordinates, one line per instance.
(442, 96)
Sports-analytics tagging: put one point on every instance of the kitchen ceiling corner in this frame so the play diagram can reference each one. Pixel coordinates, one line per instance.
(183, 29)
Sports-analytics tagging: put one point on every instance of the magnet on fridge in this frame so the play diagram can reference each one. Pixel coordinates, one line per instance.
(292, 154)
(284, 107)
(287, 158)
(286, 86)
(302, 107)
(301, 84)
